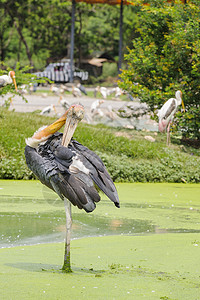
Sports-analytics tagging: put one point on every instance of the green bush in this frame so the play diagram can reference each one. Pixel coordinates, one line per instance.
(165, 58)
(189, 123)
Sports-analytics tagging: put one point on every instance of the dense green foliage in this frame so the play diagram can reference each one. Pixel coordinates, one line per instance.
(165, 58)
(189, 123)
(127, 159)
(38, 32)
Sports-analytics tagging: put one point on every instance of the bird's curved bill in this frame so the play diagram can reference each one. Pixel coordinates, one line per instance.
(74, 116)
(15, 84)
(54, 127)
(183, 105)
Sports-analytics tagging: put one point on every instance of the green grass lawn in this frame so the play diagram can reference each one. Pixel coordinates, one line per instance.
(126, 154)
(158, 264)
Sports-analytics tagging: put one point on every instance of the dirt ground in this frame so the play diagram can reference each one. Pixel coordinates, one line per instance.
(40, 101)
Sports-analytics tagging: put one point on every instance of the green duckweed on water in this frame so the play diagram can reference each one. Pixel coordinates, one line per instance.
(151, 249)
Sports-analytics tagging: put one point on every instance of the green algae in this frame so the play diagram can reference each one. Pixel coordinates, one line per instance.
(161, 261)
(117, 267)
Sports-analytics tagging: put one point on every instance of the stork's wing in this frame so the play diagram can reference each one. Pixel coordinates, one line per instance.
(170, 109)
(79, 190)
(40, 166)
(2, 82)
(97, 171)
(167, 109)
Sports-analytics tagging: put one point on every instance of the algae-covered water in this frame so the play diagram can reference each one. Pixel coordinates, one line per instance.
(149, 248)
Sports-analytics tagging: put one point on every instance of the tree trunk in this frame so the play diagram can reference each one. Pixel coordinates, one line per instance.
(24, 42)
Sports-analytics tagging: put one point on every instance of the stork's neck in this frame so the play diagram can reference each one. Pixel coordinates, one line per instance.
(9, 79)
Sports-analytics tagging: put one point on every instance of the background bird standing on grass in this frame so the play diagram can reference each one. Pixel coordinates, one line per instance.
(96, 104)
(102, 90)
(65, 104)
(76, 91)
(47, 110)
(167, 112)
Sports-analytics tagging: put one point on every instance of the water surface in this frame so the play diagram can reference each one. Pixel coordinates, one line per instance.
(31, 214)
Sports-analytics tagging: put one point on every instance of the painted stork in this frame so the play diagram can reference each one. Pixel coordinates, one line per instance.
(75, 91)
(48, 109)
(95, 108)
(65, 104)
(54, 89)
(167, 112)
(102, 90)
(8, 79)
(95, 105)
(58, 90)
(118, 92)
(69, 168)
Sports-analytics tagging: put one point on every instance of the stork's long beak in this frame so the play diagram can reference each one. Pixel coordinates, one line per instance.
(74, 116)
(52, 128)
(183, 105)
(15, 84)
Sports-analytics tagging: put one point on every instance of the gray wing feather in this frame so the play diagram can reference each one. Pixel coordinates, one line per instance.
(170, 109)
(65, 185)
(98, 171)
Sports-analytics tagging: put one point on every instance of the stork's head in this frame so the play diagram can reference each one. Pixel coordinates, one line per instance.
(74, 116)
(71, 117)
(11, 74)
(178, 95)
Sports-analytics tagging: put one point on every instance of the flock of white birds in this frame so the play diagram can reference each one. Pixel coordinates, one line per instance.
(165, 114)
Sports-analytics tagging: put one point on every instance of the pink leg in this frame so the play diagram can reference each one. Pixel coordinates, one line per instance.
(168, 134)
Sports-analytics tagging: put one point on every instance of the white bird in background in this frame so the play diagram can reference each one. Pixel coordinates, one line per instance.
(167, 112)
(8, 79)
(65, 104)
(75, 91)
(103, 91)
(95, 105)
(95, 108)
(62, 89)
(54, 89)
(47, 110)
(118, 92)
(23, 89)
(110, 113)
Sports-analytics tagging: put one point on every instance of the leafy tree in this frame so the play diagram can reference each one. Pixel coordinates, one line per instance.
(99, 27)
(42, 27)
(37, 32)
(165, 57)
